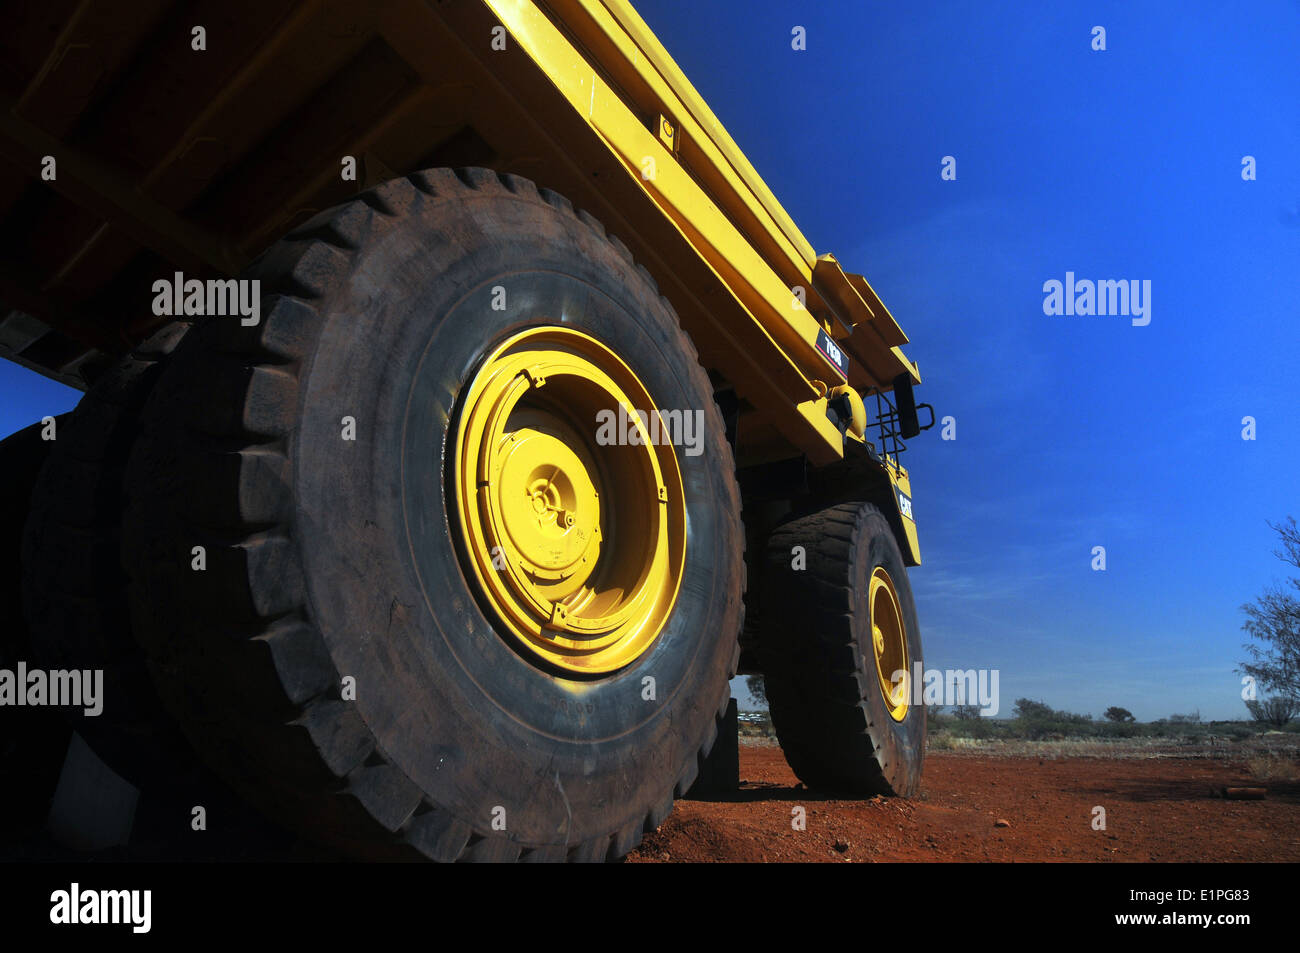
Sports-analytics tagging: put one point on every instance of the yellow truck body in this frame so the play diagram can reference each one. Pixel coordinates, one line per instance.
(246, 119)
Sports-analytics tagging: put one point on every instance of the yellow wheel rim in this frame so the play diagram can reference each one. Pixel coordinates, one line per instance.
(576, 541)
(889, 644)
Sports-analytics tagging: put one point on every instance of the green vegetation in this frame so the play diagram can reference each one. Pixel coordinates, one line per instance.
(1273, 624)
(1275, 712)
(1037, 721)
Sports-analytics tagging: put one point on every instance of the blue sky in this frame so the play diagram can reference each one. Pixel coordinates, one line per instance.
(1072, 432)
(28, 397)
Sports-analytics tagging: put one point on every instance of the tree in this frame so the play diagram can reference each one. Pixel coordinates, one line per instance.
(1273, 622)
(966, 712)
(1032, 710)
(1276, 711)
(756, 688)
(1117, 714)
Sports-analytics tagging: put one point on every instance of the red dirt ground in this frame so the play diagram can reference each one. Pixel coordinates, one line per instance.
(1156, 810)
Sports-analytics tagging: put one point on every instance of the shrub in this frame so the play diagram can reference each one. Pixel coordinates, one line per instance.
(1275, 712)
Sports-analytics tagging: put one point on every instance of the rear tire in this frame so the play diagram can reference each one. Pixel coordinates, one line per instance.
(74, 590)
(33, 740)
(334, 659)
(830, 712)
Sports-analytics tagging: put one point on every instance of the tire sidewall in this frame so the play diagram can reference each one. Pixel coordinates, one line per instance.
(469, 719)
(901, 744)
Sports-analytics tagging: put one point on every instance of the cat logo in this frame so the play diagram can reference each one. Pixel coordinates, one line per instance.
(905, 505)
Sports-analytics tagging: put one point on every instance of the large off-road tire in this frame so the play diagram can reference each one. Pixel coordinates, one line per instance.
(337, 655)
(33, 740)
(841, 729)
(74, 590)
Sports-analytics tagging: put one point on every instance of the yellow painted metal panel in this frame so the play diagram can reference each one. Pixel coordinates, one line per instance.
(899, 480)
(623, 26)
(881, 320)
(759, 271)
(770, 304)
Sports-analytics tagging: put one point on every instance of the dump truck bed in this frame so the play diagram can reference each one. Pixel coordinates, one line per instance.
(131, 153)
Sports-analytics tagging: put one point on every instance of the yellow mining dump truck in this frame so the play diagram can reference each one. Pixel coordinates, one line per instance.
(462, 412)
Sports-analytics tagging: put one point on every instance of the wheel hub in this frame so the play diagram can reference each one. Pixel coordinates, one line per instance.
(577, 544)
(548, 506)
(889, 644)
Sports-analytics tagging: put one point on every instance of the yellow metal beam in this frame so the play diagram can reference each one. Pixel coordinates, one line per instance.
(767, 301)
(616, 76)
(840, 295)
(639, 59)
